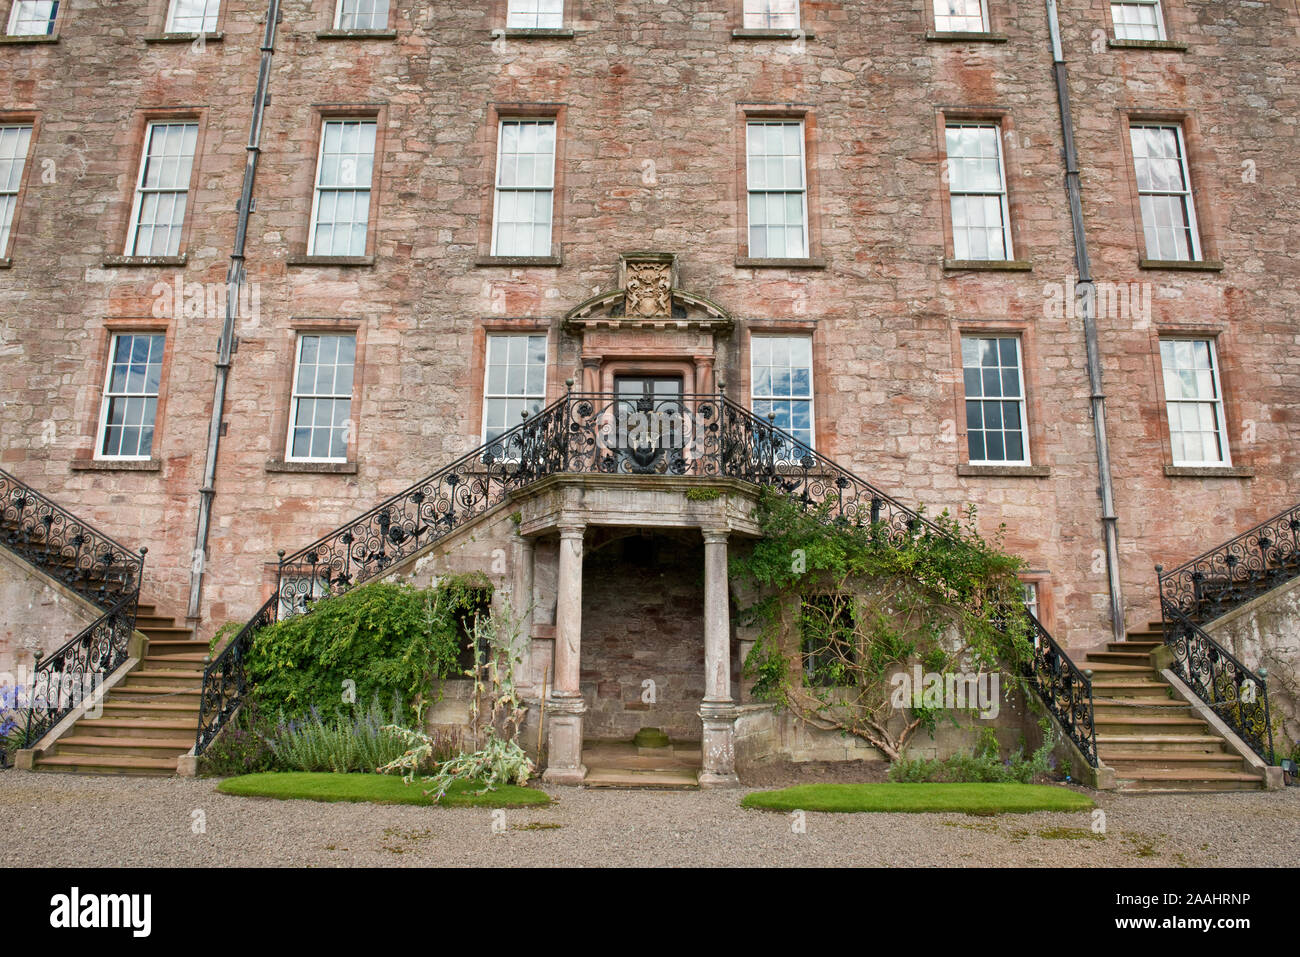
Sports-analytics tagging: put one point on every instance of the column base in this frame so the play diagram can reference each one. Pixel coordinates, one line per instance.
(567, 776)
(564, 740)
(717, 747)
(712, 779)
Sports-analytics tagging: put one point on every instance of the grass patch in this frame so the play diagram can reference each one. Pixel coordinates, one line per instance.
(375, 788)
(920, 798)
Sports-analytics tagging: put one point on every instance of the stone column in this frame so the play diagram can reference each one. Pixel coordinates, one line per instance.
(564, 704)
(591, 373)
(717, 710)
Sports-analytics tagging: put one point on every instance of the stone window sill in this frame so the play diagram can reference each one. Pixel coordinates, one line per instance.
(771, 35)
(310, 468)
(184, 37)
(1145, 45)
(145, 260)
(943, 36)
(19, 41)
(747, 262)
(116, 465)
(534, 33)
(1209, 471)
(356, 35)
(989, 265)
(1195, 265)
(1004, 471)
(330, 261)
(519, 261)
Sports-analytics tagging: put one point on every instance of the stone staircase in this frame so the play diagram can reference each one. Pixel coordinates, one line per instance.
(1155, 741)
(149, 718)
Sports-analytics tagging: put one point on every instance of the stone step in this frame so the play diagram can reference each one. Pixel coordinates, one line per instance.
(1143, 646)
(1123, 687)
(153, 621)
(129, 727)
(1147, 707)
(630, 778)
(105, 764)
(134, 746)
(1110, 668)
(166, 644)
(173, 677)
(147, 693)
(1171, 760)
(190, 662)
(169, 707)
(1188, 779)
(1094, 658)
(1203, 743)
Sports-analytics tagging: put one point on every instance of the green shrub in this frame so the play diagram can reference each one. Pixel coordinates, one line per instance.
(346, 743)
(982, 765)
(242, 747)
(377, 640)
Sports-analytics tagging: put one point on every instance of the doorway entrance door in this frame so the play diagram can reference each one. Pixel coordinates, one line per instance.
(650, 421)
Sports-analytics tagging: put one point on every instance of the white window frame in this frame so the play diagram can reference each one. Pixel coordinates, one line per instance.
(13, 20)
(1022, 400)
(1216, 401)
(338, 16)
(488, 397)
(499, 189)
(752, 11)
(211, 10)
(515, 17)
(1160, 18)
(941, 27)
(1008, 249)
(1187, 193)
(106, 397)
(811, 398)
(8, 196)
(295, 396)
(318, 189)
(141, 190)
(750, 191)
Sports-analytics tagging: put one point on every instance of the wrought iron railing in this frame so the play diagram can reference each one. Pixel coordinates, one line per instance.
(707, 436)
(1236, 571)
(1237, 694)
(64, 547)
(68, 677)
(1064, 688)
(96, 567)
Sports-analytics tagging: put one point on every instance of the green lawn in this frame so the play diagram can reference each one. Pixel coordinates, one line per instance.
(919, 798)
(377, 788)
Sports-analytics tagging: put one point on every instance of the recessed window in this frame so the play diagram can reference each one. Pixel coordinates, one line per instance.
(996, 430)
(1165, 192)
(525, 190)
(771, 14)
(828, 640)
(514, 382)
(778, 194)
(32, 18)
(977, 186)
(130, 403)
(1138, 20)
(361, 15)
(1197, 434)
(193, 16)
(782, 387)
(320, 413)
(162, 190)
(14, 141)
(341, 208)
(960, 16)
(535, 15)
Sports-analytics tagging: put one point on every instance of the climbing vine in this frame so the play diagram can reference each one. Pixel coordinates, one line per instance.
(840, 608)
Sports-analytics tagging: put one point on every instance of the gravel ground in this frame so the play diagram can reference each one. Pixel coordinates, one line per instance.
(57, 819)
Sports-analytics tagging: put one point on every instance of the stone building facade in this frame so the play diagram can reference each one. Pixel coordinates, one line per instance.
(855, 242)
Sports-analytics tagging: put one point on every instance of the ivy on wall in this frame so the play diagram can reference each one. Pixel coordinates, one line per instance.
(840, 608)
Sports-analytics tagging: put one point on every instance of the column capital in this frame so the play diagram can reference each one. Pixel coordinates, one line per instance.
(572, 530)
(716, 536)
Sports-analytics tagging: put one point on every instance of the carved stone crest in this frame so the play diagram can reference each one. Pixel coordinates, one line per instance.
(648, 288)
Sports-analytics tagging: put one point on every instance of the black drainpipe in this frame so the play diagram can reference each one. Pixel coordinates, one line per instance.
(226, 345)
(1084, 293)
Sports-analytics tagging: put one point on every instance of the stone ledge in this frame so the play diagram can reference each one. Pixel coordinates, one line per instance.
(519, 261)
(748, 262)
(40, 38)
(1209, 471)
(743, 34)
(145, 260)
(319, 468)
(356, 35)
(1005, 471)
(1145, 45)
(1196, 265)
(989, 265)
(947, 36)
(534, 33)
(6, 263)
(116, 465)
(330, 261)
(184, 37)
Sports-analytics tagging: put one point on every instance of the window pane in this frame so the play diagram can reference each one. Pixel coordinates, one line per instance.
(1193, 403)
(995, 426)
